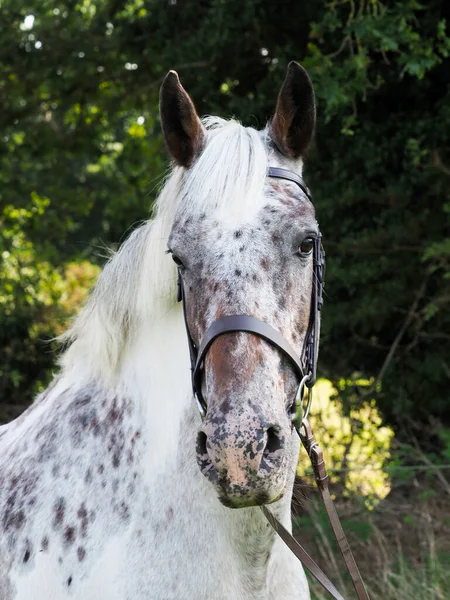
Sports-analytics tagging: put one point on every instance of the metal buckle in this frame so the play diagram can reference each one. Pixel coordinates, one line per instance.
(308, 402)
(201, 406)
(314, 452)
(297, 414)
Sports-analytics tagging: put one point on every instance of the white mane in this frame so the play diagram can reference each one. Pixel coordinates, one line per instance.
(138, 283)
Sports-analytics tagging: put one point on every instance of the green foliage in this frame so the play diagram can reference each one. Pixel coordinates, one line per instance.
(80, 141)
(444, 435)
(356, 447)
(35, 299)
(381, 189)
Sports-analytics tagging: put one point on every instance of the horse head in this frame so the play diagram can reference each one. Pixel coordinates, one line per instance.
(246, 253)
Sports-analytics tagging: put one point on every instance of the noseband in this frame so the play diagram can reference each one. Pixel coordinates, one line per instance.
(304, 365)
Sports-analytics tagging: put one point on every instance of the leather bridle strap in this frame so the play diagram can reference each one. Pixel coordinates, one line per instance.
(290, 176)
(316, 456)
(305, 365)
(232, 324)
(298, 550)
(248, 324)
(321, 476)
(239, 323)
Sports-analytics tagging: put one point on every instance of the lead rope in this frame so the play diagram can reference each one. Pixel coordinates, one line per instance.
(298, 550)
(320, 474)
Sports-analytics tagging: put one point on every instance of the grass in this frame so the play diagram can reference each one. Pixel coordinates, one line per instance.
(402, 547)
(397, 519)
(403, 582)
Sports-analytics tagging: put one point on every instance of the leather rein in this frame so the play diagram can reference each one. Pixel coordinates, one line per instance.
(305, 367)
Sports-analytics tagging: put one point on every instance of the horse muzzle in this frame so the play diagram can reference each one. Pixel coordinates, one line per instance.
(244, 457)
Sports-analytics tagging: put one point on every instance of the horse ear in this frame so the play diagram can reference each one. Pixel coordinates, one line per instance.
(292, 127)
(183, 131)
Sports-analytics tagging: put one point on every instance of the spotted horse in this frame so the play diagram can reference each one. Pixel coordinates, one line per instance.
(101, 494)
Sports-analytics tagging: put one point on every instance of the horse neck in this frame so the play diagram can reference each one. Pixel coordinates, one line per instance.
(157, 371)
(156, 377)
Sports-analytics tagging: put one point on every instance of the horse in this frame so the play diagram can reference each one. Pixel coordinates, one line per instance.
(112, 485)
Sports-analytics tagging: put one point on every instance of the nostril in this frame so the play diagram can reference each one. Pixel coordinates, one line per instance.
(203, 459)
(201, 443)
(274, 441)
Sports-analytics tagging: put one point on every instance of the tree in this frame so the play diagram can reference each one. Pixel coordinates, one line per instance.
(82, 139)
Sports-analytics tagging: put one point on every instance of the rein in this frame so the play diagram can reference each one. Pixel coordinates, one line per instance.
(306, 369)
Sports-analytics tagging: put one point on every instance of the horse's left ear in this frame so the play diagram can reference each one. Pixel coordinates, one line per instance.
(292, 127)
(183, 131)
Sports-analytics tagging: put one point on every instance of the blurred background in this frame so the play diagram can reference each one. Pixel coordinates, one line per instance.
(81, 164)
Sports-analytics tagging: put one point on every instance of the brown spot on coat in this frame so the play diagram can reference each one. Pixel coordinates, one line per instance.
(169, 514)
(88, 476)
(59, 510)
(81, 553)
(83, 516)
(13, 519)
(69, 535)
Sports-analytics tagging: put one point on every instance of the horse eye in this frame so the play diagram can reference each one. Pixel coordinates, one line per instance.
(306, 247)
(177, 261)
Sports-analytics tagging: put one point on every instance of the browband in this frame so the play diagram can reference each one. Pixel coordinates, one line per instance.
(290, 176)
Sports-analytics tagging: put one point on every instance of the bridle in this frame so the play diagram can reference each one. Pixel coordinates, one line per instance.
(305, 367)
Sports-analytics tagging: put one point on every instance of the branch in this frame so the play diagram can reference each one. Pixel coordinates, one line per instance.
(390, 355)
(437, 162)
(341, 48)
(421, 454)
